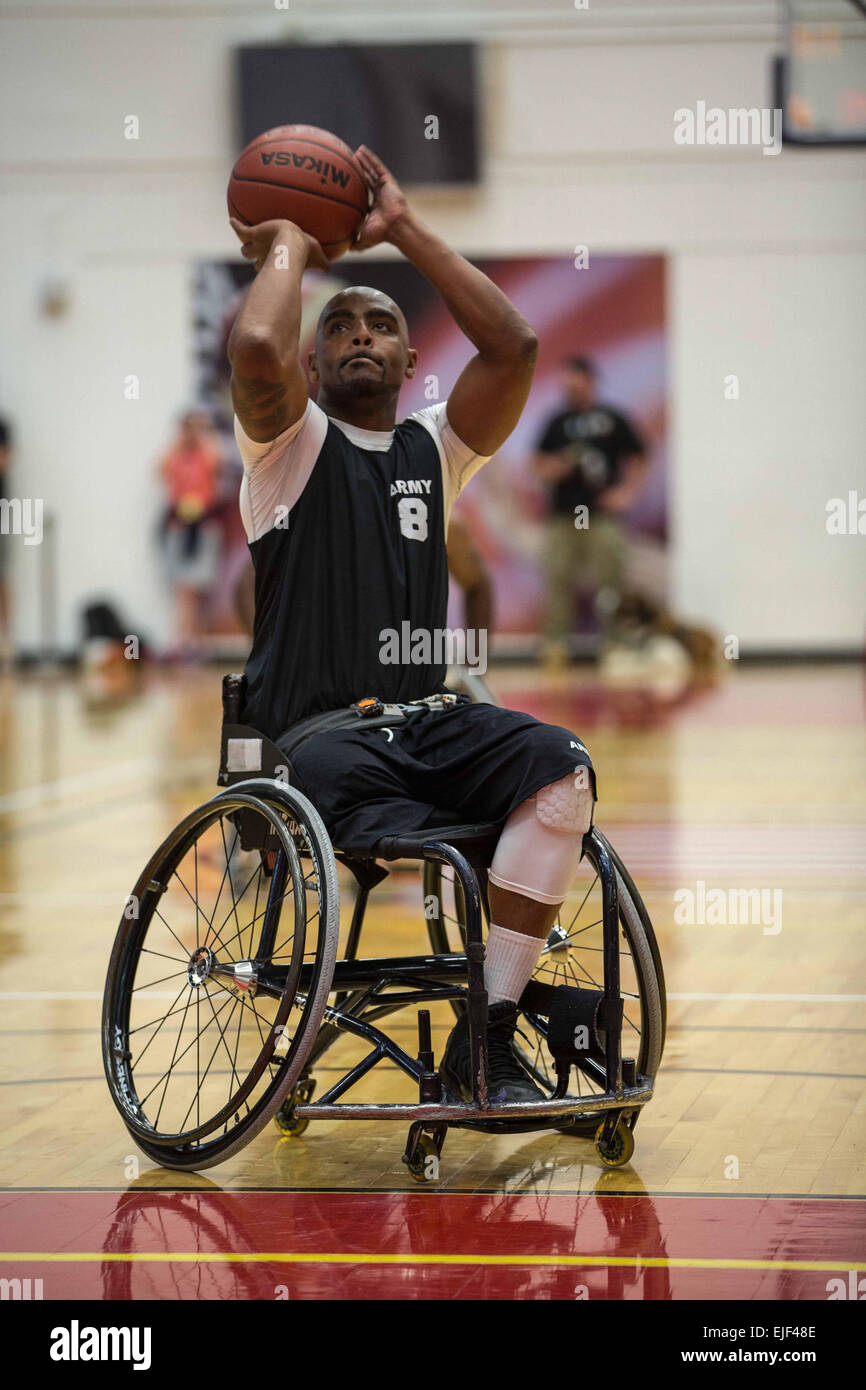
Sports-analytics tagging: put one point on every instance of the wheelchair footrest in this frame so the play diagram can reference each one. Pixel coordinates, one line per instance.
(576, 1024)
(455, 1112)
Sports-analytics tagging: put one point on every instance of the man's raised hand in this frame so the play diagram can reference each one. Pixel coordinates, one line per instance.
(389, 201)
(257, 242)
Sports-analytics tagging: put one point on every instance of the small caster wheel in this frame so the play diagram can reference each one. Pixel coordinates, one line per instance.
(290, 1125)
(424, 1166)
(618, 1148)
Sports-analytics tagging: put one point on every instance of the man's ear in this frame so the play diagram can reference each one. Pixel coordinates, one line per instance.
(312, 368)
(411, 362)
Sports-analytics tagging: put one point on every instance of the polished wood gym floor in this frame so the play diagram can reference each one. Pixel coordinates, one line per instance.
(749, 1161)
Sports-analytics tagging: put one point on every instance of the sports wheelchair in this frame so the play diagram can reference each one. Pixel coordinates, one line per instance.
(226, 986)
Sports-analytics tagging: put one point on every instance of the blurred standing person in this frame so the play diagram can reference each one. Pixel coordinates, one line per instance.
(190, 472)
(595, 463)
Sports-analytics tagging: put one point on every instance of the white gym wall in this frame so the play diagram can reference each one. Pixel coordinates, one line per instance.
(766, 263)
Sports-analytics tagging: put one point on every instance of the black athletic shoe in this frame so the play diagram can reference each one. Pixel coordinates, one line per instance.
(508, 1083)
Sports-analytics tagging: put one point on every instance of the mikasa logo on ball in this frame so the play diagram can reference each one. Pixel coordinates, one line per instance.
(306, 161)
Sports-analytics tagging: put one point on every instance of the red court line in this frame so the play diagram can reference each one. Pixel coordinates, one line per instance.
(435, 1245)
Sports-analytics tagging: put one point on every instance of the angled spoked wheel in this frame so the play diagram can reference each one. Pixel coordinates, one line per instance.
(220, 973)
(574, 955)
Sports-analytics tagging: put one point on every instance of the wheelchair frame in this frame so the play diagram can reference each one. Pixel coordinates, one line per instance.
(360, 986)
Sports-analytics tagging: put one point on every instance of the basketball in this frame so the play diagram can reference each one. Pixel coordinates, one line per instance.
(305, 175)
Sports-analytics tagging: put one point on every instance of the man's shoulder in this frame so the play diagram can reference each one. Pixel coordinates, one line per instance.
(618, 417)
(307, 432)
(430, 421)
(433, 418)
(629, 435)
(555, 429)
(559, 418)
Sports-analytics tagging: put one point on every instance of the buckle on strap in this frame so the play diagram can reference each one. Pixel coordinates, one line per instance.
(443, 701)
(368, 707)
(371, 707)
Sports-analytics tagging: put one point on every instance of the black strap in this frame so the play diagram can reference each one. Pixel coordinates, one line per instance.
(325, 722)
(329, 721)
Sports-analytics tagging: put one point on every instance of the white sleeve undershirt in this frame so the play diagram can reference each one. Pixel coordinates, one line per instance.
(459, 463)
(276, 473)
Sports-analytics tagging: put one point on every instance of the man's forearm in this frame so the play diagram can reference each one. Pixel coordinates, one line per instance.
(551, 466)
(479, 308)
(269, 388)
(620, 496)
(269, 322)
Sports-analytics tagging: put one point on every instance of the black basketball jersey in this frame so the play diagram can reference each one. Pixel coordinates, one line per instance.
(357, 576)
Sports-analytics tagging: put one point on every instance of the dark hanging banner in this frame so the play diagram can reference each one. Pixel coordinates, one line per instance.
(414, 104)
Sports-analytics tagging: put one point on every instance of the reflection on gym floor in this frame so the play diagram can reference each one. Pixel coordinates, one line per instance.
(745, 1174)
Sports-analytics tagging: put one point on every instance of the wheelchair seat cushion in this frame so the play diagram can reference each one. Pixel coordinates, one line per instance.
(477, 842)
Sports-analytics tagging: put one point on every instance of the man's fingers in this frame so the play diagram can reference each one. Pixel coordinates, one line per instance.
(364, 152)
(240, 229)
(317, 257)
(368, 234)
(369, 175)
(371, 164)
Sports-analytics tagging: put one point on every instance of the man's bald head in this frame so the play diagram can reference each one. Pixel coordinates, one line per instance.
(354, 298)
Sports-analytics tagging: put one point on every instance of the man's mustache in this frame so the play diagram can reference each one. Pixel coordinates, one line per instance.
(354, 356)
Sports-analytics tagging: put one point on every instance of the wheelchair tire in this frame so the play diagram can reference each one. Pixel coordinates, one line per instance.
(446, 932)
(649, 931)
(244, 954)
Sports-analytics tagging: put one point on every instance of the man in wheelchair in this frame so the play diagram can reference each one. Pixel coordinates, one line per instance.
(346, 514)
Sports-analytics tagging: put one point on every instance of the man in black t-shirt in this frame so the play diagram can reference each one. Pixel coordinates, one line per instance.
(346, 512)
(594, 461)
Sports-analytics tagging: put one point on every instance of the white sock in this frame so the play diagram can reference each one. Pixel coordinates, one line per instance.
(510, 960)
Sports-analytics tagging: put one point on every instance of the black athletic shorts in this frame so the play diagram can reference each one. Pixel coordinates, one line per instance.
(476, 761)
